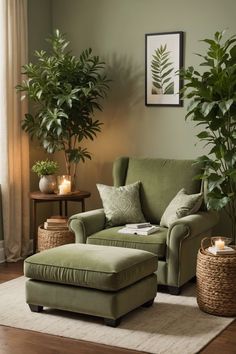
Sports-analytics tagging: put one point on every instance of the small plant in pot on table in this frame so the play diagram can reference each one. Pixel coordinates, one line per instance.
(46, 170)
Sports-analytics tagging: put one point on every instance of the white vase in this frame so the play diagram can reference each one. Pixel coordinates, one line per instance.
(48, 184)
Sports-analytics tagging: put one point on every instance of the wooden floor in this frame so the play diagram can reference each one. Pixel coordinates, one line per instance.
(18, 341)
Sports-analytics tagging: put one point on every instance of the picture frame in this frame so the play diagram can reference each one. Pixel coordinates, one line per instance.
(163, 60)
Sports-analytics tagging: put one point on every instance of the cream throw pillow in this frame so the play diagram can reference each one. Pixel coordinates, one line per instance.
(121, 204)
(181, 205)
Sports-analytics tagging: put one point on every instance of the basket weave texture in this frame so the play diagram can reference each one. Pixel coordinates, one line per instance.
(216, 283)
(53, 238)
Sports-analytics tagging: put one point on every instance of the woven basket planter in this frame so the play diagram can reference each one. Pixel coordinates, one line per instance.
(216, 283)
(53, 238)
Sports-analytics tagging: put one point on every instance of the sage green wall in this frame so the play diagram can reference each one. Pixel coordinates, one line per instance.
(115, 29)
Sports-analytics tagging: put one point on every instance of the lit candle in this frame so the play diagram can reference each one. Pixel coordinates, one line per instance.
(219, 244)
(64, 187)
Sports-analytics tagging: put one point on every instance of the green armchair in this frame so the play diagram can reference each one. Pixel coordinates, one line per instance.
(176, 246)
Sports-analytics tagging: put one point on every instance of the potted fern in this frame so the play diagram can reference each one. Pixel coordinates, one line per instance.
(46, 170)
(65, 91)
(213, 108)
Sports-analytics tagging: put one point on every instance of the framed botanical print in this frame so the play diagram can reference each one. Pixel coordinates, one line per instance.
(163, 60)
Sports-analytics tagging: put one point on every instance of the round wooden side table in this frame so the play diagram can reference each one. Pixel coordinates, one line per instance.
(38, 197)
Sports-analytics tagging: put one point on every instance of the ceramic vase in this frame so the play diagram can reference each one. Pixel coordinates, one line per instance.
(48, 184)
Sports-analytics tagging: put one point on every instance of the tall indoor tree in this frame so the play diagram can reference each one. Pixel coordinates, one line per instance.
(212, 106)
(66, 91)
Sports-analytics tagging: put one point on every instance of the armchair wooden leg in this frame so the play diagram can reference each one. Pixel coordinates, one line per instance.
(111, 322)
(174, 290)
(148, 303)
(35, 308)
(193, 280)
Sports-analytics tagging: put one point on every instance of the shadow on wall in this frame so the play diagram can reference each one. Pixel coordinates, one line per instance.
(121, 110)
(223, 228)
(91, 173)
(126, 86)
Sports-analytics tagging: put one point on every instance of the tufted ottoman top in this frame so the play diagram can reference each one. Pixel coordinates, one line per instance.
(92, 266)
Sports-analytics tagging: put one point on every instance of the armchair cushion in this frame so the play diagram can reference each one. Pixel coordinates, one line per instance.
(161, 179)
(154, 243)
(121, 204)
(181, 205)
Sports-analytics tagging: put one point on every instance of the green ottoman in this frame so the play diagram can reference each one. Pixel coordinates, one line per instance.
(95, 280)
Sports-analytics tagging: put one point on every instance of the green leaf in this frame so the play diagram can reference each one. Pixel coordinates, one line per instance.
(217, 204)
(233, 52)
(203, 135)
(214, 181)
(225, 105)
(207, 107)
(192, 105)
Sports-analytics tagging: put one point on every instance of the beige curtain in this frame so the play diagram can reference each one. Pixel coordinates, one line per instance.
(14, 152)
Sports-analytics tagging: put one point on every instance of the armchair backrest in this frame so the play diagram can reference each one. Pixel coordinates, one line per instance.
(160, 179)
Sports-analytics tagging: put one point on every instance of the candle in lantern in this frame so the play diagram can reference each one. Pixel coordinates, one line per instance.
(64, 187)
(219, 244)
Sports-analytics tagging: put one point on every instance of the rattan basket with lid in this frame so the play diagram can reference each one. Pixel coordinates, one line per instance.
(216, 282)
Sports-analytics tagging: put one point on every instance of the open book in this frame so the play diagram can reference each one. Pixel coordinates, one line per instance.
(139, 231)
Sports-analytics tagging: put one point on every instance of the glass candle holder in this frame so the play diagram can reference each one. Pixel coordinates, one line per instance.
(64, 184)
(220, 242)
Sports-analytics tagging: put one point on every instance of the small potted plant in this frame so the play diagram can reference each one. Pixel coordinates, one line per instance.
(46, 169)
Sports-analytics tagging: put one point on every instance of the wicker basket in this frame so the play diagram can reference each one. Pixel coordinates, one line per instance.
(53, 238)
(216, 282)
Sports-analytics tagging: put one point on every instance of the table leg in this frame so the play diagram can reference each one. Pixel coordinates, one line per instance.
(83, 205)
(66, 212)
(34, 221)
(60, 208)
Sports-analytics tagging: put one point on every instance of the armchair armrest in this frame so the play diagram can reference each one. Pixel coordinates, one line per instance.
(87, 223)
(193, 225)
(183, 241)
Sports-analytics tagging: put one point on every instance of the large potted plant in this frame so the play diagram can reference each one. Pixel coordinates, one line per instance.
(65, 91)
(213, 107)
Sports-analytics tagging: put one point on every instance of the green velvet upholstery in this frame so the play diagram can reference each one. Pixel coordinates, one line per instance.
(176, 246)
(91, 266)
(155, 243)
(90, 279)
(107, 304)
(161, 181)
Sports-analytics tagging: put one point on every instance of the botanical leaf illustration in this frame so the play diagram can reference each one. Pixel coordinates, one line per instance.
(162, 69)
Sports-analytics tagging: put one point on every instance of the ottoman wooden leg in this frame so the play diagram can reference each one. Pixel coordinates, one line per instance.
(148, 303)
(35, 308)
(111, 322)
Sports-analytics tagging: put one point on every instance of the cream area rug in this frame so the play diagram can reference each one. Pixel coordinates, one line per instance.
(174, 324)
